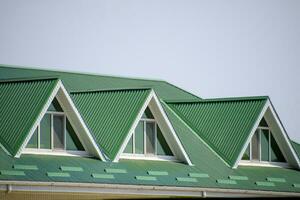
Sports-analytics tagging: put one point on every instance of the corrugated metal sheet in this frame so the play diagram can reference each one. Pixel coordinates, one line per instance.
(83, 82)
(20, 104)
(110, 114)
(223, 124)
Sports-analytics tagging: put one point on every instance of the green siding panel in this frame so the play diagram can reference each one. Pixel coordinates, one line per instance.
(110, 115)
(71, 168)
(12, 173)
(21, 103)
(26, 167)
(146, 178)
(223, 124)
(227, 182)
(103, 176)
(82, 82)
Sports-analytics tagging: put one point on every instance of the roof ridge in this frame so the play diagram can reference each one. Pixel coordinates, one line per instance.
(109, 90)
(78, 72)
(221, 99)
(12, 80)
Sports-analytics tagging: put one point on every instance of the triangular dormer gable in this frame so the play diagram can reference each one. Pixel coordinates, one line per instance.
(166, 142)
(268, 143)
(60, 107)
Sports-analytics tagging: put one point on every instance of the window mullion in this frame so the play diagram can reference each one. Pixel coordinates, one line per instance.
(144, 137)
(51, 132)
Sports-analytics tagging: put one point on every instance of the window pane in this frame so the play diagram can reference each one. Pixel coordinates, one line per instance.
(263, 123)
(162, 146)
(264, 145)
(129, 146)
(148, 114)
(72, 141)
(33, 142)
(255, 145)
(139, 138)
(58, 132)
(150, 138)
(54, 106)
(276, 155)
(246, 155)
(45, 134)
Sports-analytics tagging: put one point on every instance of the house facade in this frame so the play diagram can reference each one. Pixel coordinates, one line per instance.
(70, 135)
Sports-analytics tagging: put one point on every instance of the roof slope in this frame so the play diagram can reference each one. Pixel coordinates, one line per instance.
(21, 102)
(110, 114)
(224, 124)
(82, 82)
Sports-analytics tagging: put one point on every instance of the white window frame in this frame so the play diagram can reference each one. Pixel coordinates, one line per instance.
(52, 150)
(146, 156)
(260, 162)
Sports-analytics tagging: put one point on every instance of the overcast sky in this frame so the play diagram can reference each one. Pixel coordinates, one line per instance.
(211, 48)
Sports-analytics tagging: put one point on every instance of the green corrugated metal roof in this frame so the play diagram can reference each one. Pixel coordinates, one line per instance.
(21, 102)
(223, 124)
(82, 82)
(296, 147)
(110, 114)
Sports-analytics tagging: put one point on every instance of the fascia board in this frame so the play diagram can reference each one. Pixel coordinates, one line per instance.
(133, 126)
(181, 153)
(63, 97)
(38, 120)
(259, 118)
(74, 116)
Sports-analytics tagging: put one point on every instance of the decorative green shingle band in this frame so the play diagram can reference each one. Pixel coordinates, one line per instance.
(116, 171)
(71, 169)
(26, 167)
(58, 174)
(158, 173)
(198, 175)
(296, 185)
(186, 179)
(225, 181)
(12, 173)
(267, 184)
(103, 176)
(280, 180)
(239, 178)
(146, 178)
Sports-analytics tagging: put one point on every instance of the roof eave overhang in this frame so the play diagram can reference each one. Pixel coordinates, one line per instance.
(138, 190)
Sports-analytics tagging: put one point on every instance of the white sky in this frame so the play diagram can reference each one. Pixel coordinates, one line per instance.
(211, 48)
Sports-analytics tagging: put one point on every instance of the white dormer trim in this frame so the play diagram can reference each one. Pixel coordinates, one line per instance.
(280, 135)
(74, 118)
(165, 125)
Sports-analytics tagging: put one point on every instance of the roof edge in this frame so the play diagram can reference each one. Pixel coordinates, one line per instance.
(244, 98)
(110, 90)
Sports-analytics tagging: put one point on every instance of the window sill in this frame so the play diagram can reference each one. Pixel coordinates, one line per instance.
(55, 152)
(143, 157)
(264, 164)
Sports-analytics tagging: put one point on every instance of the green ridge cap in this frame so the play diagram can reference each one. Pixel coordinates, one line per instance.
(103, 176)
(198, 175)
(26, 167)
(272, 179)
(263, 183)
(12, 173)
(225, 181)
(239, 178)
(71, 168)
(158, 173)
(186, 179)
(116, 171)
(146, 178)
(58, 174)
